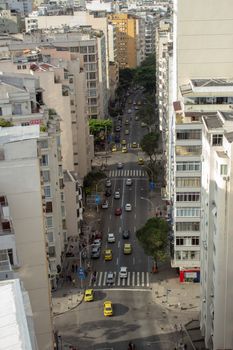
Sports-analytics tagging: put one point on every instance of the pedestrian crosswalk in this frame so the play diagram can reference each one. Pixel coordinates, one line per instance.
(127, 173)
(133, 280)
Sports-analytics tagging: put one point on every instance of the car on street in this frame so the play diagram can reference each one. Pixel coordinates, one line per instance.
(108, 183)
(126, 122)
(108, 309)
(110, 278)
(140, 161)
(120, 165)
(134, 144)
(118, 211)
(118, 128)
(108, 192)
(129, 182)
(97, 242)
(124, 149)
(136, 108)
(108, 254)
(117, 195)
(105, 205)
(136, 117)
(126, 132)
(128, 207)
(123, 142)
(127, 248)
(125, 234)
(123, 272)
(111, 238)
(129, 111)
(95, 252)
(89, 295)
(114, 148)
(143, 124)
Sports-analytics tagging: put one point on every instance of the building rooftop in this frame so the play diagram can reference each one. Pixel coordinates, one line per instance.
(211, 82)
(229, 136)
(13, 321)
(212, 121)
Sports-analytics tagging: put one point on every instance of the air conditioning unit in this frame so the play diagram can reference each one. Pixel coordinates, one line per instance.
(226, 178)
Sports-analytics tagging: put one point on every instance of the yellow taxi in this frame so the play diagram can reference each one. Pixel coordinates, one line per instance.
(127, 248)
(140, 161)
(134, 145)
(108, 310)
(126, 122)
(114, 149)
(108, 254)
(89, 295)
(123, 142)
(124, 149)
(126, 132)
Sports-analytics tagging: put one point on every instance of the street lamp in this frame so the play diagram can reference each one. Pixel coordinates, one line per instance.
(149, 201)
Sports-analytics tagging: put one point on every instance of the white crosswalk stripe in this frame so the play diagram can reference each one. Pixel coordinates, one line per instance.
(127, 173)
(134, 279)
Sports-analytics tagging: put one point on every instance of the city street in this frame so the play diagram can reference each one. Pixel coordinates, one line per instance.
(136, 316)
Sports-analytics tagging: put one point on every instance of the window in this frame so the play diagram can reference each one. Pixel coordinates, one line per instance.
(223, 169)
(52, 252)
(217, 140)
(24, 66)
(91, 49)
(83, 49)
(50, 236)
(49, 221)
(91, 75)
(188, 135)
(63, 213)
(47, 191)
(188, 150)
(188, 182)
(187, 226)
(49, 207)
(188, 196)
(46, 175)
(44, 160)
(18, 67)
(179, 241)
(195, 240)
(72, 102)
(44, 144)
(188, 166)
(188, 212)
(71, 80)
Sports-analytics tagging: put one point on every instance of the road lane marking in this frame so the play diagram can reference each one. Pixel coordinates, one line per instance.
(120, 229)
(133, 261)
(143, 279)
(134, 228)
(119, 244)
(137, 172)
(105, 276)
(97, 274)
(123, 282)
(138, 279)
(147, 279)
(133, 279)
(128, 279)
(135, 215)
(119, 280)
(100, 279)
(117, 261)
(108, 229)
(135, 198)
(110, 216)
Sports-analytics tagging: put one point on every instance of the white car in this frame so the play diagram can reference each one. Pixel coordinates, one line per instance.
(111, 238)
(129, 182)
(96, 243)
(129, 111)
(123, 272)
(128, 207)
(110, 278)
(108, 183)
(105, 205)
(117, 195)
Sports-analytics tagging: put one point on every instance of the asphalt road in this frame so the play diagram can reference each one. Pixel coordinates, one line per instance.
(136, 316)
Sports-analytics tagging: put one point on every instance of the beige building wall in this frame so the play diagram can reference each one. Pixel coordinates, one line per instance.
(204, 39)
(20, 181)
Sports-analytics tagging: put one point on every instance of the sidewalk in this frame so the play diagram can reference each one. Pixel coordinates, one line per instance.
(66, 299)
(169, 292)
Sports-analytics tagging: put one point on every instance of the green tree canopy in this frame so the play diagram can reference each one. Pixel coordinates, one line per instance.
(145, 74)
(150, 144)
(153, 237)
(98, 125)
(91, 179)
(5, 123)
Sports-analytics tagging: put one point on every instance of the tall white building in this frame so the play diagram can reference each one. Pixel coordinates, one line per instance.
(217, 237)
(23, 221)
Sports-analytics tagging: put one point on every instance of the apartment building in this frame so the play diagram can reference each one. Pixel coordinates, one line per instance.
(128, 39)
(16, 323)
(10, 22)
(198, 97)
(21, 104)
(24, 7)
(216, 238)
(24, 218)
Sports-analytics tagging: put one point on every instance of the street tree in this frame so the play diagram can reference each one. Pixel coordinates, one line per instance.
(91, 180)
(99, 125)
(153, 237)
(150, 145)
(145, 74)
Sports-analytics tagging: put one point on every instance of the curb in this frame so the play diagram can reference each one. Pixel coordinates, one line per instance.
(74, 307)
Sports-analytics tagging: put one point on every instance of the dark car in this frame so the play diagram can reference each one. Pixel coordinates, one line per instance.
(118, 128)
(108, 192)
(126, 234)
(95, 253)
(118, 211)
